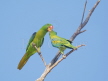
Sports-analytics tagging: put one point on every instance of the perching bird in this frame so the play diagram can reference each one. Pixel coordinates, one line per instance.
(37, 39)
(59, 42)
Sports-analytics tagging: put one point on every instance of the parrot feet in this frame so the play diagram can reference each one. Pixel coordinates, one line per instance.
(64, 56)
(34, 45)
(75, 48)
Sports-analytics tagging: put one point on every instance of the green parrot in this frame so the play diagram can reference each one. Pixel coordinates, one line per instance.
(59, 42)
(37, 39)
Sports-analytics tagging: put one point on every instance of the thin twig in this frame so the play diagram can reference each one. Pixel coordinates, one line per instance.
(85, 22)
(39, 53)
(84, 12)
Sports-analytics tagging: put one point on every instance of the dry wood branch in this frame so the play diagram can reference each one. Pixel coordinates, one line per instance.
(39, 53)
(85, 22)
(79, 30)
(84, 12)
(54, 62)
(48, 68)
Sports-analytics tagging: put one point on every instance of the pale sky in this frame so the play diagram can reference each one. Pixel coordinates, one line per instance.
(20, 18)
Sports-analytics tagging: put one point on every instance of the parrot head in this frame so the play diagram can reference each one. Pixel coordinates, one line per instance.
(50, 28)
(52, 33)
(47, 27)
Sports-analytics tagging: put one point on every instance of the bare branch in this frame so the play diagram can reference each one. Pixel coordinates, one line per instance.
(55, 58)
(82, 31)
(48, 68)
(85, 22)
(74, 49)
(66, 56)
(84, 12)
(54, 62)
(39, 53)
(78, 31)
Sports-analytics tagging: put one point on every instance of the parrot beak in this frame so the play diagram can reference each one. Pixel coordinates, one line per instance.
(50, 28)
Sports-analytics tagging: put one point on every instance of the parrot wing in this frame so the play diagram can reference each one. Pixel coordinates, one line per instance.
(31, 39)
(58, 42)
(67, 44)
(42, 42)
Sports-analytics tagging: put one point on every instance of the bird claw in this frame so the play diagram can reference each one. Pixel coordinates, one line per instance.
(64, 56)
(75, 48)
(33, 44)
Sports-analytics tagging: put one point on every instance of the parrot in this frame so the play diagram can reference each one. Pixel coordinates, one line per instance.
(60, 43)
(37, 38)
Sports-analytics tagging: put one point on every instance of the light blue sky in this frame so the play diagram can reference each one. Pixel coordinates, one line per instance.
(20, 18)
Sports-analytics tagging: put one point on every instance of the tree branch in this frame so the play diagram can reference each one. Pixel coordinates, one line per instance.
(54, 62)
(78, 31)
(39, 53)
(85, 22)
(84, 12)
(48, 68)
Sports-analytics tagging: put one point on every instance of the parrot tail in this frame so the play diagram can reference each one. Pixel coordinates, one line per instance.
(23, 61)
